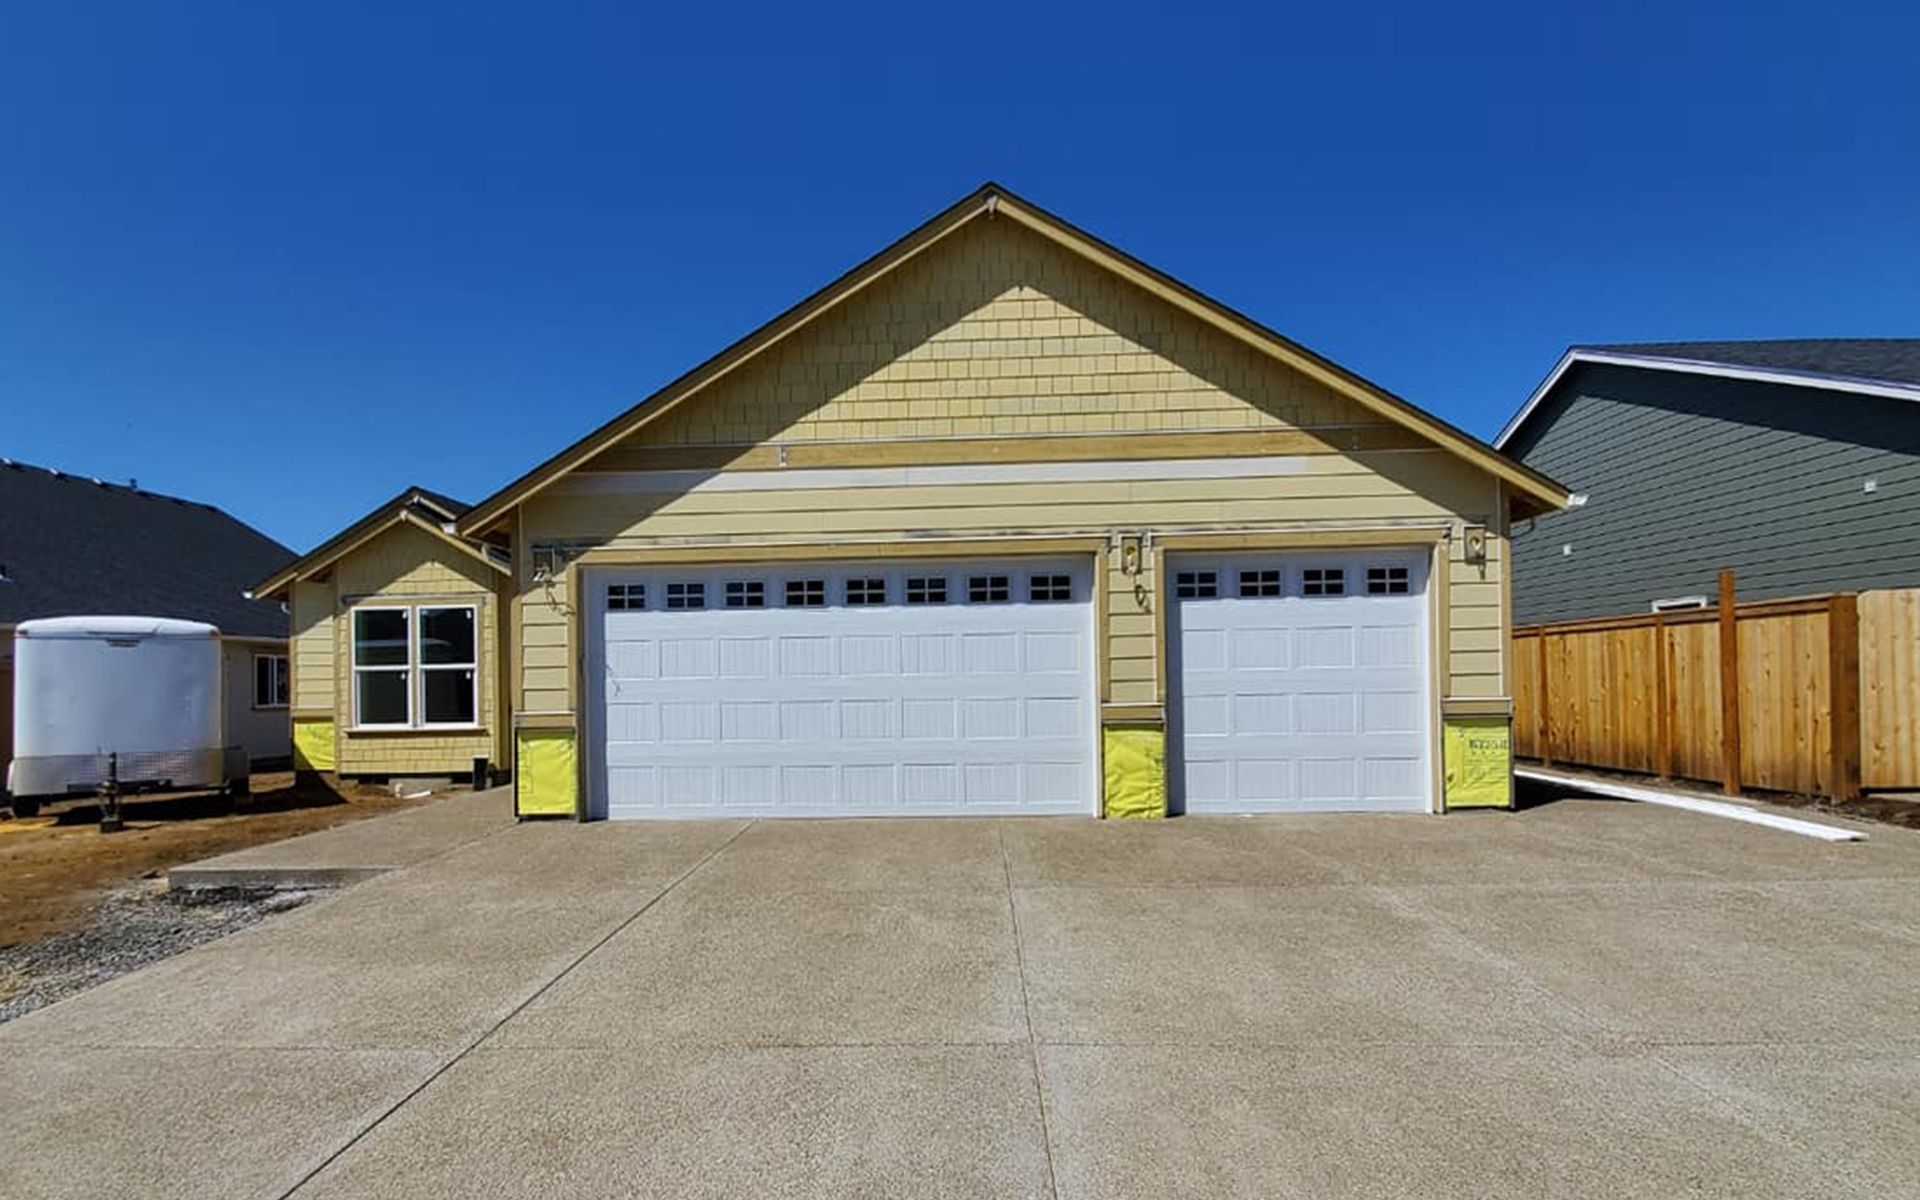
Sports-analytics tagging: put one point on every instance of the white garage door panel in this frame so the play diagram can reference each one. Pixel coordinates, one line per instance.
(961, 707)
(1291, 701)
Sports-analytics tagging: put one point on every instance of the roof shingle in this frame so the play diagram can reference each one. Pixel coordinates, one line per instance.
(1883, 360)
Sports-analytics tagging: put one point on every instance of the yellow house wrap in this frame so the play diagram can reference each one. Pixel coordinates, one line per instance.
(999, 383)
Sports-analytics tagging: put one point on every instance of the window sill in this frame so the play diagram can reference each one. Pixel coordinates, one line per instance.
(359, 730)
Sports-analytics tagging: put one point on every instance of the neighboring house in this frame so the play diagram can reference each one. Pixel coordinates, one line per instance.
(1795, 463)
(73, 546)
(399, 644)
(1001, 521)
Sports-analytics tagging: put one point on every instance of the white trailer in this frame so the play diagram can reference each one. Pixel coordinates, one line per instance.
(140, 697)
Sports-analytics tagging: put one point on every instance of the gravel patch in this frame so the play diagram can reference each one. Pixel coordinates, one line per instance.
(131, 928)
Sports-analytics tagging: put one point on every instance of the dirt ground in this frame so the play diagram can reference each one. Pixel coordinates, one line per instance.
(57, 868)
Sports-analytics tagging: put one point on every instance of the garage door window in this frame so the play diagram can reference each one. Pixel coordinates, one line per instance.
(1260, 583)
(746, 593)
(626, 597)
(1049, 589)
(926, 589)
(806, 593)
(1386, 581)
(415, 668)
(1196, 585)
(866, 591)
(1323, 581)
(686, 595)
(988, 589)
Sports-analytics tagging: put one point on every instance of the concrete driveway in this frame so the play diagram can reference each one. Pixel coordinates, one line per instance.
(1585, 999)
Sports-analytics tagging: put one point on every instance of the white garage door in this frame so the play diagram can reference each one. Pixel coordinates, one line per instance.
(1301, 682)
(919, 688)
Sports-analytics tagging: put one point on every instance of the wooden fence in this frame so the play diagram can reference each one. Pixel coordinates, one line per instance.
(1818, 695)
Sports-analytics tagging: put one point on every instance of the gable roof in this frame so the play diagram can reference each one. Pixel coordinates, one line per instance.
(75, 546)
(1886, 367)
(1530, 490)
(431, 511)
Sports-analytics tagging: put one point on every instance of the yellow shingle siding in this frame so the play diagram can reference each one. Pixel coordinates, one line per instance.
(408, 564)
(999, 332)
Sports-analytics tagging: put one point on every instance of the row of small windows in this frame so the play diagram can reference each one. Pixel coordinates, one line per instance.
(855, 593)
(1314, 581)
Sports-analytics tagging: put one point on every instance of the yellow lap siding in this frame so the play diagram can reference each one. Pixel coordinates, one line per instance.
(311, 645)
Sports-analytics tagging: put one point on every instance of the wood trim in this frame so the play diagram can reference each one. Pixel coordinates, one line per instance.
(1102, 625)
(1786, 607)
(1843, 698)
(310, 714)
(989, 201)
(1729, 619)
(893, 548)
(1440, 671)
(1385, 537)
(1024, 448)
(1477, 706)
(345, 543)
(1156, 561)
(545, 720)
(1133, 714)
(576, 687)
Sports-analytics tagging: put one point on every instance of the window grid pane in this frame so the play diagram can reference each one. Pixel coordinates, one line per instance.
(866, 591)
(746, 593)
(623, 597)
(988, 589)
(1387, 581)
(1260, 583)
(447, 637)
(686, 595)
(806, 593)
(1196, 585)
(927, 589)
(1323, 581)
(380, 637)
(1049, 589)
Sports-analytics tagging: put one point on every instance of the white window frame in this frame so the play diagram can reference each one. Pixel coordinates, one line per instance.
(282, 677)
(414, 669)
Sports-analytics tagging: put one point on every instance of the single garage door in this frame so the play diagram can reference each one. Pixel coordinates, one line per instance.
(1301, 683)
(865, 690)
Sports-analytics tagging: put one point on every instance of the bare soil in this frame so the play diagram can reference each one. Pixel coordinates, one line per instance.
(57, 869)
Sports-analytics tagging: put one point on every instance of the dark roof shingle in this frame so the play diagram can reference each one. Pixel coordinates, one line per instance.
(1884, 360)
(73, 546)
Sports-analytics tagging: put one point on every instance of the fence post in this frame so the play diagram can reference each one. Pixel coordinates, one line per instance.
(1663, 701)
(1843, 698)
(1543, 723)
(1729, 687)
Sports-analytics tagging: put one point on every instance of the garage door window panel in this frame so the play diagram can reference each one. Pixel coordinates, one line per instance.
(1323, 581)
(926, 589)
(1259, 583)
(806, 593)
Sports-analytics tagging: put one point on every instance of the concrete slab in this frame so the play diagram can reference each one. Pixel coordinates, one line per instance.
(792, 968)
(424, 961)
(1691, 962)
(820, 1122)
(875, 855)
(1856, 1107)
(1188, 852)
(1483, 1123)
(123, 1121)
(358, 850)
(1266, 965)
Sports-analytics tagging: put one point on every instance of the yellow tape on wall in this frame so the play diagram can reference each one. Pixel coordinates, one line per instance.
(1479, 755)
(544, 779)
(313, 746)
(1136, 772)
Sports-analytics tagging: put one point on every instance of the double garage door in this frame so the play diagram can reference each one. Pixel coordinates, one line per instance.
(867, 690)
(940, 688)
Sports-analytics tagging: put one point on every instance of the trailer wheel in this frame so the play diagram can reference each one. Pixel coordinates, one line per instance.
(239, 788)
(26, 806)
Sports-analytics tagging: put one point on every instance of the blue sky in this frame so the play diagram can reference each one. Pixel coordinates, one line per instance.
(291, 261)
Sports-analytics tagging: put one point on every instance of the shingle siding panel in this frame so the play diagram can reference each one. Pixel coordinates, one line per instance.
(1686, 474)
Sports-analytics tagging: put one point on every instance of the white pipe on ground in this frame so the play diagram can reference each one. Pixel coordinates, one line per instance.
(1691, 803)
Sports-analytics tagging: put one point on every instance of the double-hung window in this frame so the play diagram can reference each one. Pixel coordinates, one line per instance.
(416, 667)
(269, 681)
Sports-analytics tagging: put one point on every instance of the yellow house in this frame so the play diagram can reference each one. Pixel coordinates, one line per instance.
(1001, 521)
(398, 645)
